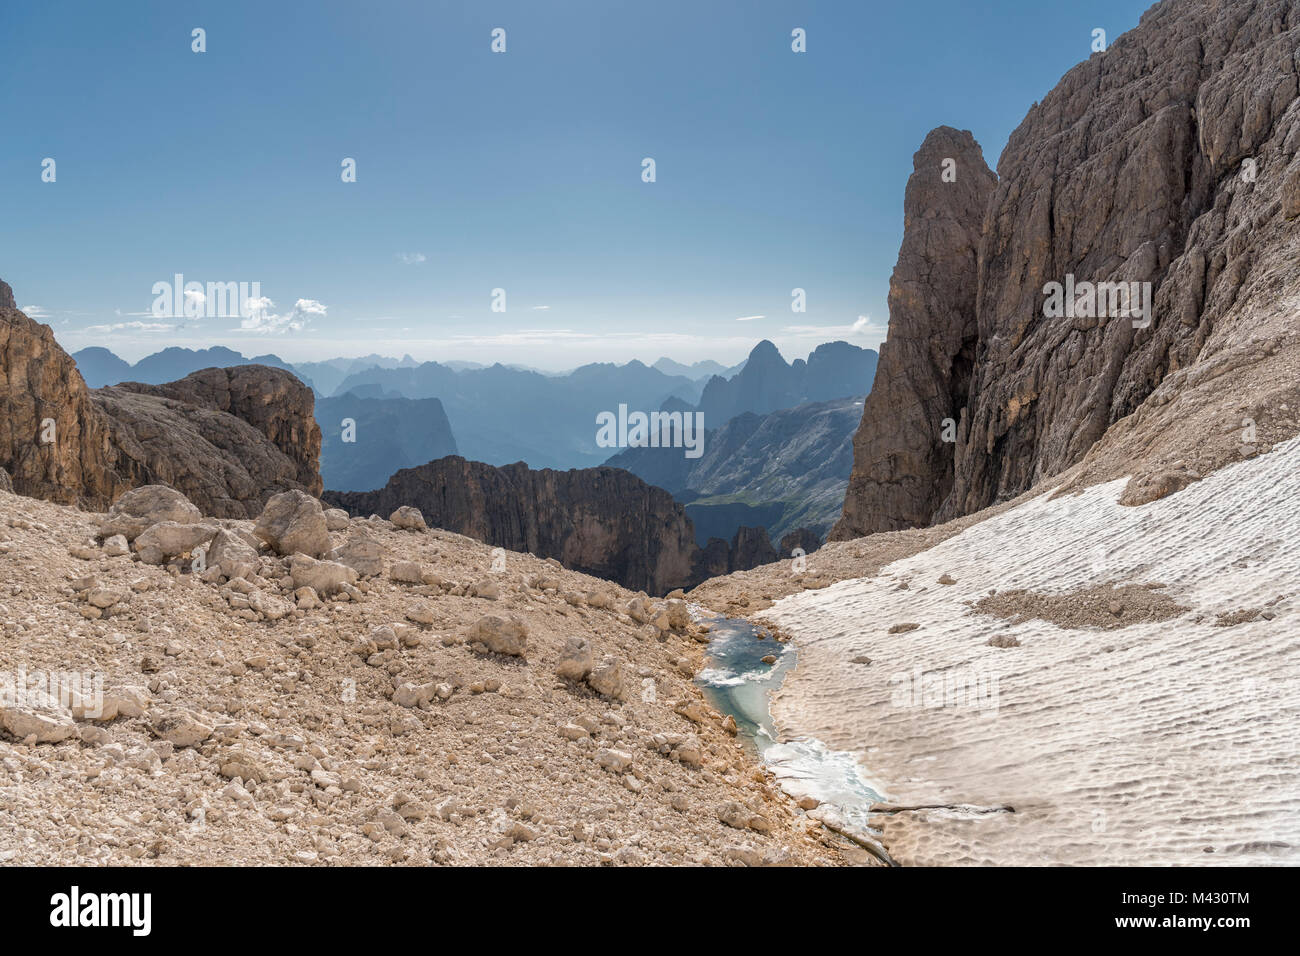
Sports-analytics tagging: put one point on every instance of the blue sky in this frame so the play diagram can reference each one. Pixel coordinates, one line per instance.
(477, 171)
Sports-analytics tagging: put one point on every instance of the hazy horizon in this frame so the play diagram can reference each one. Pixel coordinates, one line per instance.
(131, 357)
(291, 350)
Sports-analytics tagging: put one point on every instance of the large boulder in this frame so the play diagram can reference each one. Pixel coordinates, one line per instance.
(576, 659)
(45, 724)
(678, 613)
(171, 539)
(268, 605)
(293, 522)
(179, 728)
(142, 508)
(362, 553)
(607, 678)
(324, 577)
(278, 408)
(408, 519)
(501, 635)
(230, 553)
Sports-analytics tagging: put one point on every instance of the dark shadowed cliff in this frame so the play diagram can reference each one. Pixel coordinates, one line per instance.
(366, 440)
(604, 521)
(902, 468)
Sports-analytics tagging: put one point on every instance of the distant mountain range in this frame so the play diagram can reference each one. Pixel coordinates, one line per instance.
(767, 383)
(325, 376)
(780, 471)
(500, 414)
(100, 367)
(699, 370)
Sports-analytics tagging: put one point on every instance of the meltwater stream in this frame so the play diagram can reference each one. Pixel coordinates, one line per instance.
(738, 682)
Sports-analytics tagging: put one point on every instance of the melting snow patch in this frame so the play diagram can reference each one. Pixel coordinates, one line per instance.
(1157, 742)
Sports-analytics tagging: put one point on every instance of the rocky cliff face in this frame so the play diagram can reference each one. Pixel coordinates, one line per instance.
(271, 400)
(227, 438)
(751, 548)
(1172, 158)
(53, 442)
(603, 521)
(802, 539)
(902, 467)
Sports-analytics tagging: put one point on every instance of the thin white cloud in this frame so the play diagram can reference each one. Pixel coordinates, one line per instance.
(36, 311)
(134, 327)
(260, 319)
(749, 318)
(411, 258)
(527, 337)
(862, 326)
(541, 308)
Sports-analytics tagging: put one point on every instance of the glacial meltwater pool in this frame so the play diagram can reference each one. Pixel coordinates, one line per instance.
(737, 682)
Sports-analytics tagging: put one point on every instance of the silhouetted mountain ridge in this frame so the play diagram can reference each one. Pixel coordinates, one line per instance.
(767, 383)
(365, 440)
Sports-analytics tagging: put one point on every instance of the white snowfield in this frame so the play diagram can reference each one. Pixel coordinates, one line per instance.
(1175, 742)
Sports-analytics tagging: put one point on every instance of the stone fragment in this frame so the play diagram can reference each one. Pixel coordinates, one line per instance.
(143, 507)
(607, 678)
(422, 614)
(613, 760)
(408, 519)
(104, 597)
(500, 635)
(43, 724)
(739, 816)
(572, 732)
(362, 553)
(576, 659)
(179, 728)
(169, 539)
(406, 572)
(232, 555)
(323, 577)
(293, 521)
